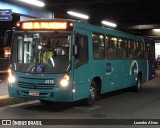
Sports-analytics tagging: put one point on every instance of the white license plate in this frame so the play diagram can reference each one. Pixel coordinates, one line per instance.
(33, 93)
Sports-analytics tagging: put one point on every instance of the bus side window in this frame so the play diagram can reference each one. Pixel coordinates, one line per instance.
(132, 49)
(111, 48)
(82, 45)
(146, 52)
(123, 48)
(98, 46)
(139, 51)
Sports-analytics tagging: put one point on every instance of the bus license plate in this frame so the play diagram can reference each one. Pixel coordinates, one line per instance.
(33, 93)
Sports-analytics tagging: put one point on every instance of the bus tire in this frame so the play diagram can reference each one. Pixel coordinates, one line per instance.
(92, 94)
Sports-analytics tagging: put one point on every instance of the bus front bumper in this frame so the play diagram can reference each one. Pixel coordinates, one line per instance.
(56, 94)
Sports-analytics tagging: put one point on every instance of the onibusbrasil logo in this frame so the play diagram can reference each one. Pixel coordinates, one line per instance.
(134, 68)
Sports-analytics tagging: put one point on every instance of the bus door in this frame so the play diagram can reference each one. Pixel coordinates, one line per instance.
(81, 66)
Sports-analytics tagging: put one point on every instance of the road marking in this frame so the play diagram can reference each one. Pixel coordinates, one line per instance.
(88, 108)
(95, 107)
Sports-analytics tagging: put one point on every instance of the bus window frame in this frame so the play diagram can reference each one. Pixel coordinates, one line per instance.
(107, 48)
(103, 46)
(126, 48)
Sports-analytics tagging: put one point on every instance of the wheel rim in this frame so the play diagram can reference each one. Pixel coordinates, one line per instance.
(92, 93)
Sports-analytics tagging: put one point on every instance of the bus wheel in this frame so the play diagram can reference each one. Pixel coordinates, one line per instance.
(92, 94)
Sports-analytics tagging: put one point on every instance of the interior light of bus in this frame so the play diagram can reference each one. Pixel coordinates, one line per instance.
(114, 39)
(44, 25)
(120, 40)
(39, 47)
(101, 36)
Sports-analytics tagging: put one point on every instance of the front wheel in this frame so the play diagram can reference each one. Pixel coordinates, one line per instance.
(92, 94)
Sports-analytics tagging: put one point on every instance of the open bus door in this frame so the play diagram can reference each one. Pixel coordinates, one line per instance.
(4, 61)
(7, 43)
(8, 37)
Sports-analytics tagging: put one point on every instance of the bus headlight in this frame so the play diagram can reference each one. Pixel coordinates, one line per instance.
(11, 79)
(64, 82)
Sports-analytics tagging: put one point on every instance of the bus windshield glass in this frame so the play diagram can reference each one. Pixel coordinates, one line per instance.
(41, 52)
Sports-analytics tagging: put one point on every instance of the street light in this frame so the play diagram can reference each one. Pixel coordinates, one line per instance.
(107, 23)
(156, 30)
(80, 15)
(34, 2)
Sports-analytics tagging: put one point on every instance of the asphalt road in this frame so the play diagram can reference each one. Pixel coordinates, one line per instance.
(120, 105)
(3, 88)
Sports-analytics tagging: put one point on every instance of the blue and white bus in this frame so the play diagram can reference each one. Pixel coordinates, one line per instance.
(65, 61)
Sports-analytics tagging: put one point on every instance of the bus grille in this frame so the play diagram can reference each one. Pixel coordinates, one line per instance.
(35, 85)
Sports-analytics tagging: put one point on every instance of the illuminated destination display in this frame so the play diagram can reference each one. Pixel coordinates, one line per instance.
(44, 25)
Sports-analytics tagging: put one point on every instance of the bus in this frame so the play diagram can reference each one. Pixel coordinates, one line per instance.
(62, 60)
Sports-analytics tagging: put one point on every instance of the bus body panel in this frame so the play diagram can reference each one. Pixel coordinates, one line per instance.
(82, 82)
(150, 62)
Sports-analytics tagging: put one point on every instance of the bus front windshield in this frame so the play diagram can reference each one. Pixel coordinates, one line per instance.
(41, 52)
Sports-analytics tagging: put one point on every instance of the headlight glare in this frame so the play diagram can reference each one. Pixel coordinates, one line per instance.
(11, 79)
(64, 82)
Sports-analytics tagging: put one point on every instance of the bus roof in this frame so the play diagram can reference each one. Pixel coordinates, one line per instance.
(92, 28)
(107, 31)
